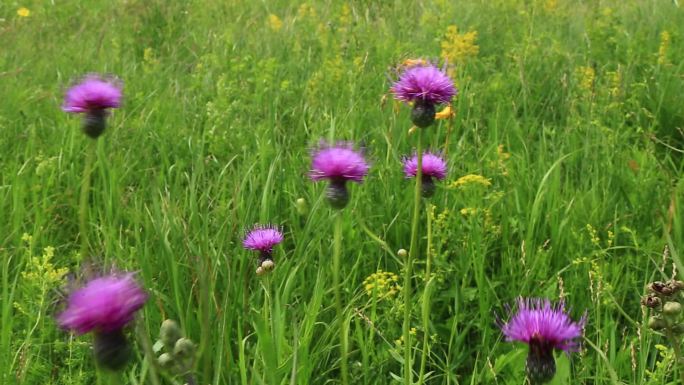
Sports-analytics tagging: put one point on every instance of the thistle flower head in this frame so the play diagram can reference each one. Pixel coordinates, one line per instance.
(433, 166)
(338, 163)
(104, 304)
(544, 327)
(262, 238)
(424, 83)
(93, 93)
(538, 321)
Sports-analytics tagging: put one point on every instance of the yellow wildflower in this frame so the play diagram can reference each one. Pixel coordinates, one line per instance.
(468, 211)
(381, 285)
(586, 77)
(23, 12)
(458, 48)
(306, 10)
(446, 113)
(664, 45)
(470, 179)
(274, 23)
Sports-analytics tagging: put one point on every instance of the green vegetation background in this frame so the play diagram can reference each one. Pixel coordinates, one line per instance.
(571, 109)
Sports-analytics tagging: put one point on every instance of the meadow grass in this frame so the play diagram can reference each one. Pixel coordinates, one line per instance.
(571, 110)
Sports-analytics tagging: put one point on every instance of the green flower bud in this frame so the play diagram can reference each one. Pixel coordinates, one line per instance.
(184, 349)
(656, 323)
(402, 253)
(166, 361)
(678, 329)
(302, 207)
(169, 333)
(672, 308)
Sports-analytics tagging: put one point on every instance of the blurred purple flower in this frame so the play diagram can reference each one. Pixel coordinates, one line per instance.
(104, 304)
(424, 83)
(338, 163)
(262, 238)
(93, 93)
(433, 166)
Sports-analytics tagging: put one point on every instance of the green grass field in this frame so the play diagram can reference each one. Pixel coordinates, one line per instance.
(571, 112)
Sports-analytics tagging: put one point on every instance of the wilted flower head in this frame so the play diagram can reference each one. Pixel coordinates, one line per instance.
(338, 162)
(104, 304)
(425, 83)
(544, 327)
(93, 93)
(432, 164)
(262, 238)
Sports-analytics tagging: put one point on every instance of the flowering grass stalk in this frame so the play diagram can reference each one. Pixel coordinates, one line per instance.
(337, 251)
(408, 266)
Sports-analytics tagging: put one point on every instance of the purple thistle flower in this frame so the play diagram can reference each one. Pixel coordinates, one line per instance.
(93, 93)
(544, 327)
(339, 163)
(93, 96)
(105, 304)
(262, 238)
(424, 83)
(433, 166)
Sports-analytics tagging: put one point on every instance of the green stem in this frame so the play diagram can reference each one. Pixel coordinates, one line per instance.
(426, 299)
(146, 342)
(675, 342)
(338, 297)
(85, 192)
(413, 250)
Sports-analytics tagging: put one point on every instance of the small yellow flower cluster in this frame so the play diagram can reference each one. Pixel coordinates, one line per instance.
(446, 113)
(469, 211)
(586, 76)
(23, 12)
(470, 179)
(274, 23)
(42, 270)
(306, 10)
(382, 285)
(663, 48)
(502, 157)
(593, 235)
(400, 340)
(458, 48)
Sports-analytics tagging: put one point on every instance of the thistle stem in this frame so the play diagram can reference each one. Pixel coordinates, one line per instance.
(426, 299)
(675, 342)
(413, 250)
(344, 368)
(146, 343)
(85, 192)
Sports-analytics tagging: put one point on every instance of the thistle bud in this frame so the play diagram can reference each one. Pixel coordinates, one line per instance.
(427, 187)
(656, 323)
(169, 333)
(402, 253)
(672, 308)
(651, 301)
(337, 194)
(260, 271)
(166, 361)
(267, 265)
(540, 365)
(678, 329)
(302, 206)
(184, 349)
(423, 113)
(94, 122)
(112, 350)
